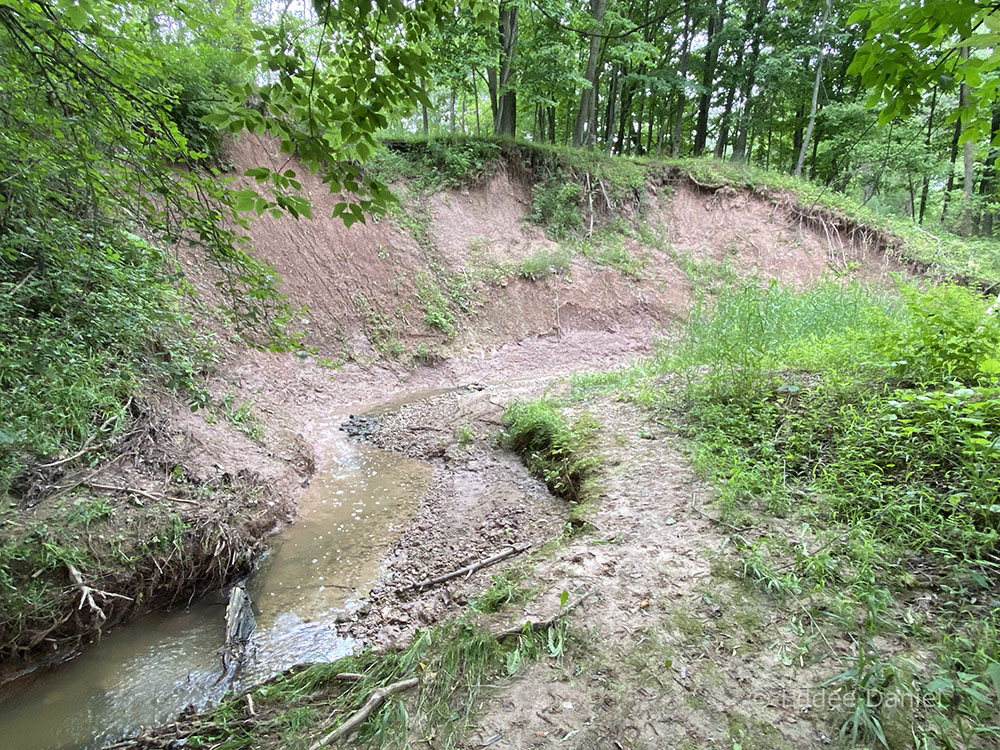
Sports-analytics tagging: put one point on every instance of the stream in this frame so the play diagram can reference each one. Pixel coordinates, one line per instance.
(144, 673)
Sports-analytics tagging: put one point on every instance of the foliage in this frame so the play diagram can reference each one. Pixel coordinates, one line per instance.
(544, 263)
(555, 204)
(437, 310)
(82, 322)
(911, 48)
(949, 336)
(552, 449)
(836, 411)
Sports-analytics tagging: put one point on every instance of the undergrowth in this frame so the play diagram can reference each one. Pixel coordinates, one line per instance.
(453, 663)
(854, 438)
(83, 323)
(552, 448)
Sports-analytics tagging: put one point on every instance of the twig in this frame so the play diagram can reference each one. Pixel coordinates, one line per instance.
(470, 569)
(86, 447)
(540, 625)
(143, 493)
(371, 705)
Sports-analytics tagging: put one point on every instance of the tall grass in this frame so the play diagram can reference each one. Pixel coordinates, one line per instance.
(855, 435)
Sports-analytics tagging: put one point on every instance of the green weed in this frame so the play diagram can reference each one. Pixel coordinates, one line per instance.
(553, 450)
(544, 263)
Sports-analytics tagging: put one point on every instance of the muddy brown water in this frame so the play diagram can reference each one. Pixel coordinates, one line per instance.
(144, 673)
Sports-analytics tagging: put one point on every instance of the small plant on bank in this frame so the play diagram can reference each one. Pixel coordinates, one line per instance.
(544, 263)
(437, 311)
(553, 450)
(555, 205)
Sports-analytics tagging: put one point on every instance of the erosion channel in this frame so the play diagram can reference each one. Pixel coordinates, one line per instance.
(144, 673)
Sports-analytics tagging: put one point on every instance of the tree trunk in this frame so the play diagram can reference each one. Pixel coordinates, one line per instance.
(708, 78)
(968, 162)
(816, 85)
(588, 97)
(754, 23)
(505, 114)
(925, 188)
(951, 173)
(423, 109)
(678, 125)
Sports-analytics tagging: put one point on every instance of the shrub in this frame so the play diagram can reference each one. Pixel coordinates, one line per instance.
(551, 448)
(949, 334)
(555, 205)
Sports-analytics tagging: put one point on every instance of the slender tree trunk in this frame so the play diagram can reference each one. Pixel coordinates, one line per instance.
(423, 110)
(754, 24)
(708, 78)
(588, 97)
(475, 99)
(968, 162)
(951, 173)
(925, 188)
(797, 136)
(678, 125)
(723, 140)
(816, 84)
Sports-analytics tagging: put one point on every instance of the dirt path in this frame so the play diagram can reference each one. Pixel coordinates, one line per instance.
(666, 650)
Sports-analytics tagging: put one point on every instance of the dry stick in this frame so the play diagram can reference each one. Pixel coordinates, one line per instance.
(86, 447)
(469, 569)
(143, 493)
(539, 625)
(375, 700)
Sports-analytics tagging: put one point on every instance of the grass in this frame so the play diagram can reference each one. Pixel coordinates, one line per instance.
(544, 263)
(242, 417)
(853, 438)
(454, 664)
(607, 248)
(438, 311)
(553, 449)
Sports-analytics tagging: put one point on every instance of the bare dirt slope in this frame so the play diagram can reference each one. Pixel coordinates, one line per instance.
(365, 288)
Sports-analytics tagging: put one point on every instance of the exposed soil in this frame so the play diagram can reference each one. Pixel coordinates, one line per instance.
(667, 650)
(647, 565)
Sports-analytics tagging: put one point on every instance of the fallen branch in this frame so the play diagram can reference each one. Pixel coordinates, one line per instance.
(137, 491)
(470, 569)
(86, 447)
(375, 700)
(537, 626)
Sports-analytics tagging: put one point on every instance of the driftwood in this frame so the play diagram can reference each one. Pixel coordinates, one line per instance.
(240, 624)
(375, 700)
(535, 626)
(470, 569)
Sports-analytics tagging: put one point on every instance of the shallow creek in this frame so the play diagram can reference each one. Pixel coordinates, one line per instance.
(144, 673)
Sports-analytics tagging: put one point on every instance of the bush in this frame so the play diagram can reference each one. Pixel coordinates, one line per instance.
(551, 448)
(949, 334)
(555, 205)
